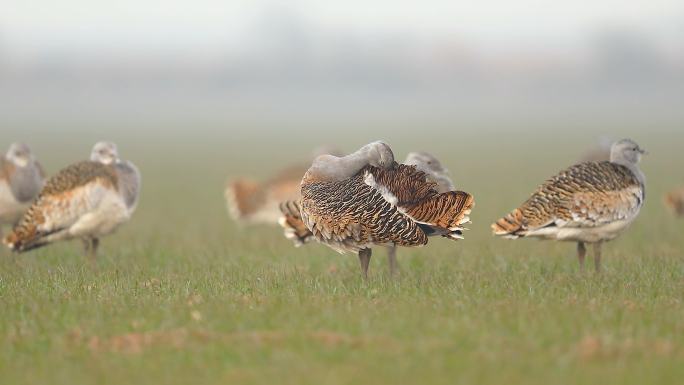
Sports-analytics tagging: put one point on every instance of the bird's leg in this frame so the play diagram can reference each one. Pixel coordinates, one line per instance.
(90, 245)
(392, 260)
(364, 258)
(597, 256)
(94, 244)
(581, 253)
(86, 246)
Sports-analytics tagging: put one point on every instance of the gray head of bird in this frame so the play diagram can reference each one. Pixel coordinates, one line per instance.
(105, 153)
(379, 154)
(626, 151)
(426, 162)
(19, 154)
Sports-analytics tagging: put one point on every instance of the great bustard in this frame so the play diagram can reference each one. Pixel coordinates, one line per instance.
(253, 202)
(21, 178)
(590, 202)
(674, 200)
(86, 200)
(355, 202)
(295, 229)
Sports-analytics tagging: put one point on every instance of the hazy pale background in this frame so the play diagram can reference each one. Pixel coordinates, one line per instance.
(224, 65)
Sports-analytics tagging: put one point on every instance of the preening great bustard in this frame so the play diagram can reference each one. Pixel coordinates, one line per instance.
(295, 229)
(355, 202)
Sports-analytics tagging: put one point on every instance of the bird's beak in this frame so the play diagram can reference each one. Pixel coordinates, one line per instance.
(642, 151)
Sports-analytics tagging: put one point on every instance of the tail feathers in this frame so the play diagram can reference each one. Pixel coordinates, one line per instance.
(244, 198)
(509, 226)
(293, 225)
(445, 213)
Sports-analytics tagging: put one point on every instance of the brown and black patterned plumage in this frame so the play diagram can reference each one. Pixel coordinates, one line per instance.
(293, 225)
(587, 194)
(296, 230)
(590, 202)
(385, 203)
(61, 200)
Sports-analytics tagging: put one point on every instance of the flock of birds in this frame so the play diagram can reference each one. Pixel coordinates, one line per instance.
(365, 199)
(350, 203)
(86, 200)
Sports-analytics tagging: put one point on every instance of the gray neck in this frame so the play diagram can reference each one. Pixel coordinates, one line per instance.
(637, 171)
(26, 182)
(129, 182)
(332, 168)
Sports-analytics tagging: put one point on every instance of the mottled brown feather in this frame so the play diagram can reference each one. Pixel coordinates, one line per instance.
(292, 222)
(585, 195)
(77, 175)
(417, 197)
(59, 187)
(350, 215)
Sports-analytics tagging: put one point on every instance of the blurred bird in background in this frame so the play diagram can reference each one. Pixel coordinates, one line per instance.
(253, 202)
(21, 178)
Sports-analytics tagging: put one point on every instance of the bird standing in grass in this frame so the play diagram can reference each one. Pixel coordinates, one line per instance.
(86, 200)
(21, 178)
(590, 202)
(295, 229)
(355, 202)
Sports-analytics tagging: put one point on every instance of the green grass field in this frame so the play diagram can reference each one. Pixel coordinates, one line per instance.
(182, 295)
